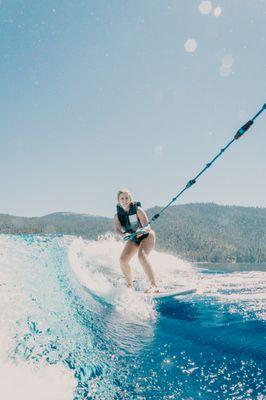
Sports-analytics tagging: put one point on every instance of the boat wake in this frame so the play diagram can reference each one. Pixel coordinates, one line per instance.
(70, 327)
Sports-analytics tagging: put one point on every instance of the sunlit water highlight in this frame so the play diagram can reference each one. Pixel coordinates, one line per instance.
(71, 330)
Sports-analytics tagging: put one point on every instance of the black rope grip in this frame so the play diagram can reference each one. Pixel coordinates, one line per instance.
(244, 128)
(155, 217)
(190, 183)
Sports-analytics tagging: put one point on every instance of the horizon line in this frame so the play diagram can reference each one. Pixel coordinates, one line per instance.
(105, 216)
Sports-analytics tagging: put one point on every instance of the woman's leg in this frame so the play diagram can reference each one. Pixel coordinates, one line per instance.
(128, 252)
(145, 247)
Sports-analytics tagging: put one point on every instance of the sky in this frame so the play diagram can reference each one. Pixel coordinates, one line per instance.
(100, 95)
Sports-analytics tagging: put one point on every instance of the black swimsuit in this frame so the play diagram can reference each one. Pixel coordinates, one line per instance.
(137, 240)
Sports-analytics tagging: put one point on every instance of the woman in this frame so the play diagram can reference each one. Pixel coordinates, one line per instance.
(129, 218)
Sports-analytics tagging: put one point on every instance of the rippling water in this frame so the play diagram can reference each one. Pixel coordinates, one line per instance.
(71, 330)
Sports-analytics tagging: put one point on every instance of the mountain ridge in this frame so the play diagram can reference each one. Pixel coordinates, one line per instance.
(202, 232)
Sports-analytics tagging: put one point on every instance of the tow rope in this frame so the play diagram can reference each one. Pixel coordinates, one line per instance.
(192, 181)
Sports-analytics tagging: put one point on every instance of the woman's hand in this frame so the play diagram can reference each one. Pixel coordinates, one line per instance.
(140, 232)
(125, 235)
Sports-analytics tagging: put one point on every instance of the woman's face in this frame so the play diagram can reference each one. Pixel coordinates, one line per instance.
(124, 200)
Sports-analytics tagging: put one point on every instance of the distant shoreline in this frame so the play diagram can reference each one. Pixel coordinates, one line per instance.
(198, 232)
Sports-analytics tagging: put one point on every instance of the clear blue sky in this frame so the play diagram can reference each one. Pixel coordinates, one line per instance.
(99, 95)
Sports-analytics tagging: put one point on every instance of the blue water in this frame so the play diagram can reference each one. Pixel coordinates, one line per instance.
(64, 308)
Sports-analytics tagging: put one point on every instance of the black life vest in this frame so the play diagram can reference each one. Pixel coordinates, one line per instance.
(129, 220)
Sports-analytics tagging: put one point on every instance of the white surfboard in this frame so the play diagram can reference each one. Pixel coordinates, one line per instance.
(180, 291)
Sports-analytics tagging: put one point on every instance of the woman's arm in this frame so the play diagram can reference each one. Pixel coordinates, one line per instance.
(142, 216)
(118, 227)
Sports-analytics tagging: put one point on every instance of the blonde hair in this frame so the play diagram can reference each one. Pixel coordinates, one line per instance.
(124, 191)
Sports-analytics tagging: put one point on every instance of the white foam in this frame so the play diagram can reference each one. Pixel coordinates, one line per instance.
(28, 382)
(244, 290)
(96, 266)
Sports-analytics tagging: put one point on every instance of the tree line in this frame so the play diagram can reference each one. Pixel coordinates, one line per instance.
(201, 232)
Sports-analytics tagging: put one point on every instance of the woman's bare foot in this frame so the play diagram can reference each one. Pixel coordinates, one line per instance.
(152, 289)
